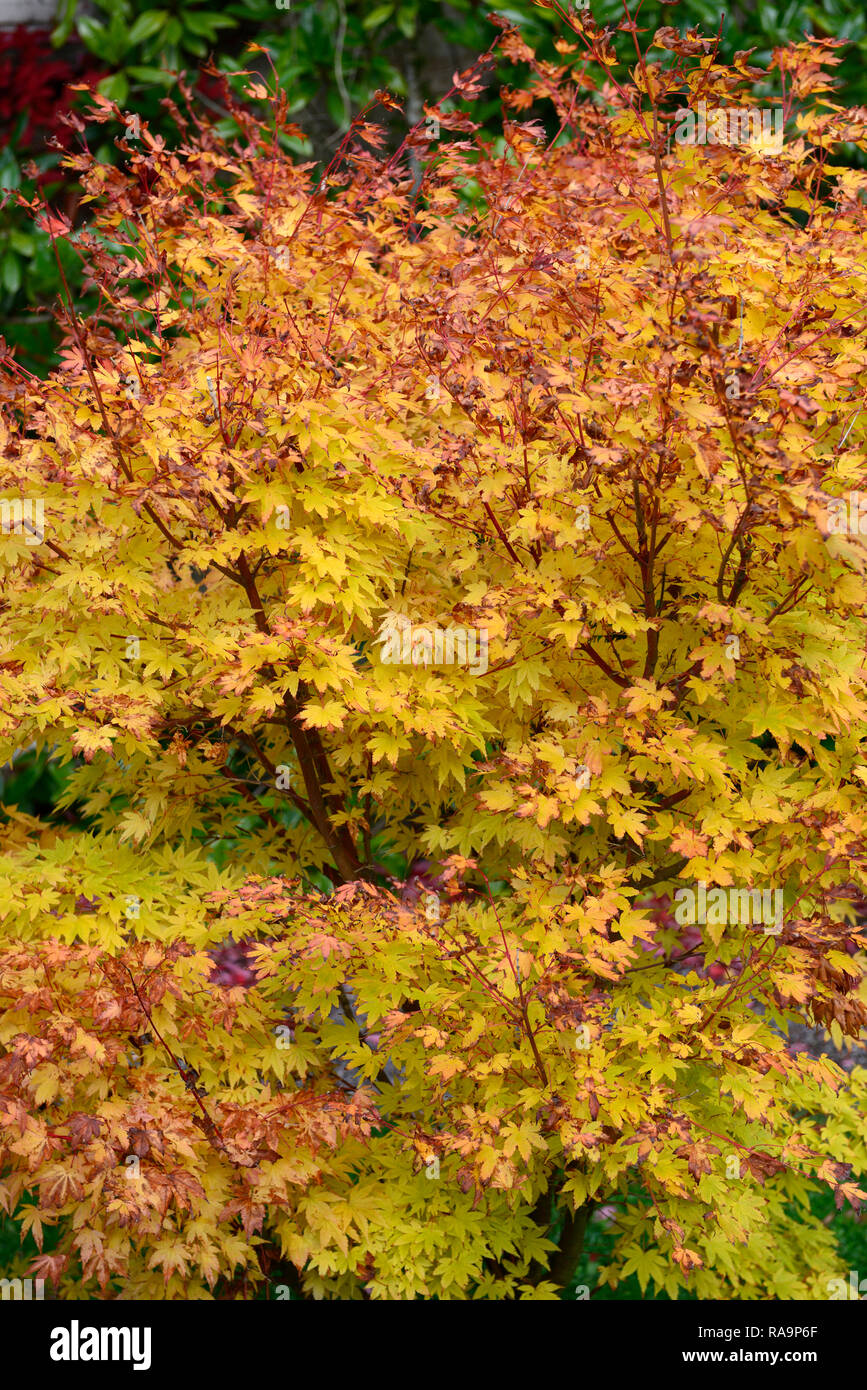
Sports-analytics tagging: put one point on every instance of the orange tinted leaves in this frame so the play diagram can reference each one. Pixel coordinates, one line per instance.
(325, 945)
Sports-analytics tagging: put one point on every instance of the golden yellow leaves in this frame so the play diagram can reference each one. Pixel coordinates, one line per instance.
(90, 741)
(644, 696)
(631, 924)
(446, 1066)
(543, 809)
(314, 484)
(330, 715)
(46, 1083)
(87, 1044)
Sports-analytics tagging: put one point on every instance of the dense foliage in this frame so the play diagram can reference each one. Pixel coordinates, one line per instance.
(416, 587)
(330, 56)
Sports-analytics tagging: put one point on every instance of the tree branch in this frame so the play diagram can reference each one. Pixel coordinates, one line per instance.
(565, 1262)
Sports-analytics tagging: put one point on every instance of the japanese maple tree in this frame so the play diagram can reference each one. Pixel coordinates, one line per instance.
(356, 972)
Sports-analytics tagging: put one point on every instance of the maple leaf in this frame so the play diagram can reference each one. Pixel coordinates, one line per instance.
(326, 945)
(686, 842)
(55, 224)
(49, 1267)
(687, 1259)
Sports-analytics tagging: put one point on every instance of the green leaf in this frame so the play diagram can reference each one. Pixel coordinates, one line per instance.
(149, 75)
(11, 272)
(207, 24)
(92, 34)
(115, 87)
(65, 23)
(407, 17)
(147, 25)
(10, 173)
(22, 242)
(377, 16)
(119, 36)
(335, 107)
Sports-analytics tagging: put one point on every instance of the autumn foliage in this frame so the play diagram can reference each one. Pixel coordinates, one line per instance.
(360, 975)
